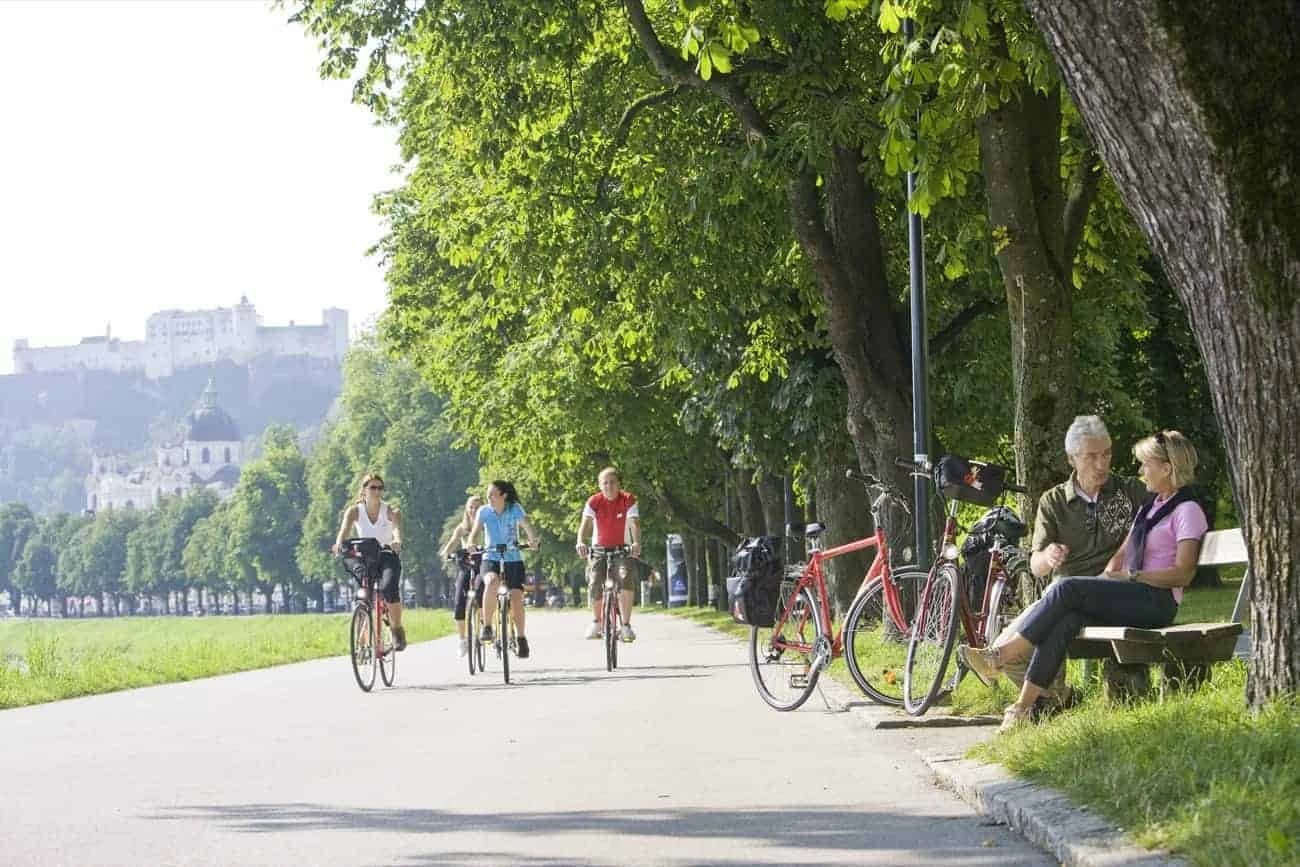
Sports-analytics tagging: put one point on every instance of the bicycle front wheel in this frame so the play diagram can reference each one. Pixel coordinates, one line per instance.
(473, 625)
(610, 630)
(362, 644)
(388, 659)
(781, 657)
(875, 643)
(934, 632)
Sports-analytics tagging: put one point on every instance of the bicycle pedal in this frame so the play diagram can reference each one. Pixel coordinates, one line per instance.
(798, 681)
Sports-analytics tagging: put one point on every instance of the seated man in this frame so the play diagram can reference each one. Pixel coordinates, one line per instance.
(1079, 525)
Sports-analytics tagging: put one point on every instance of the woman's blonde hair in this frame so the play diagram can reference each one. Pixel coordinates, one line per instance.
(366, 480)
(467, 519)
(1174, 449)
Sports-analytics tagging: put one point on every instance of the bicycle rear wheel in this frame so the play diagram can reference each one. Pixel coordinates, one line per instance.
(362, 645)
(503, 636)
(934, 632)
(875, 645)
(473, 624)
(781, 657)
(388, 659)
(1005, 601)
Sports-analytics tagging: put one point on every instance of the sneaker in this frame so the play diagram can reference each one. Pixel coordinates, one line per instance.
(1015, 716)
(522, 647)
(983, 663)
(463, 650)
(399, 637)
(626, 633)
(593, 630)
(486, 635)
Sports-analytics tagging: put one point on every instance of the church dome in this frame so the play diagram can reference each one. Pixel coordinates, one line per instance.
(210, 423)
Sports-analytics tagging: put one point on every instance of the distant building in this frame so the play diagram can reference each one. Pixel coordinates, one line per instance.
(208, 456)
(184, 338)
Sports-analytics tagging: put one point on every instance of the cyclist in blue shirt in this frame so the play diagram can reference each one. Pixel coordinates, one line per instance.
(500, 520)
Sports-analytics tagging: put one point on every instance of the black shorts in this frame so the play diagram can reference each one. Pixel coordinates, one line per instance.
(511, 570)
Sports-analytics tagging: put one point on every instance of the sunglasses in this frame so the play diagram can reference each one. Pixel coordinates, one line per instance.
(374, 487)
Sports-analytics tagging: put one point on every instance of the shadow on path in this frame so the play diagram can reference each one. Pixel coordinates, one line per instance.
(923, 837)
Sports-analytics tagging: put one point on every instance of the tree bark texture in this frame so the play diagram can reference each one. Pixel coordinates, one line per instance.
(772, 497)
(750, 506)
(1194, 109)
(1020, 152)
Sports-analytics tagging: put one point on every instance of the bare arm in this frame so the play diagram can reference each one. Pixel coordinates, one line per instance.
(533, 539)
(457, 533)
(635, 525)
(473, 531)
(396, 516)
(345, 528)
(1178, 575)
(584, 530)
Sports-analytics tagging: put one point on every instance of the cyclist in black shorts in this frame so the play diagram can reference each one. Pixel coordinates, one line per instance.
(371, 518)
(467, 567)
(499, 522)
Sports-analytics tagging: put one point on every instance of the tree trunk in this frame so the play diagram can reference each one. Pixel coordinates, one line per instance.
(771, 495)
(1020, 152)
(1194, 113)
(750, 506)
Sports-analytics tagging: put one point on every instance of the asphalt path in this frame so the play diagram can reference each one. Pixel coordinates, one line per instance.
(671, 760)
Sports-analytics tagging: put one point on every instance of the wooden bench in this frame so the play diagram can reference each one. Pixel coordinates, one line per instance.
(1186, 650)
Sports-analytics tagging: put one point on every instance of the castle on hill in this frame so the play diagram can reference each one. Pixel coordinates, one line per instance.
(176, 339)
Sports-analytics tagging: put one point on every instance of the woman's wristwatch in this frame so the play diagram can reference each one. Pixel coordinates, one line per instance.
(1133, 575)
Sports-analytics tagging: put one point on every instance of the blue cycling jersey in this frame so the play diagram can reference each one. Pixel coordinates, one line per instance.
(502, 529)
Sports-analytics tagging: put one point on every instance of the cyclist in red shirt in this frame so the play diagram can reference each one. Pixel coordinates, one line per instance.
(614, 513)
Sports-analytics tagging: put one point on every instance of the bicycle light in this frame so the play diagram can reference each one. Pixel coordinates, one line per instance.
(949, 552)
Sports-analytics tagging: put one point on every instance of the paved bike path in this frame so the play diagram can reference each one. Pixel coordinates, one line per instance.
(672, 760)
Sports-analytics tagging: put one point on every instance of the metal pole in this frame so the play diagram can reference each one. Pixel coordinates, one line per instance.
(920, 358)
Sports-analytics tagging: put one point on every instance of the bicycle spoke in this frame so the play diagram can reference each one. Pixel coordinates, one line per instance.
(782, 656)
(934, 633)
(875, 644)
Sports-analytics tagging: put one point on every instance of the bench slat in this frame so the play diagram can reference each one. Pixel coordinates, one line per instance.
(1223, 548)
(1182, 631)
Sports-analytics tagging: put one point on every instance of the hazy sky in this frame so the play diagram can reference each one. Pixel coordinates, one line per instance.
(177, 154)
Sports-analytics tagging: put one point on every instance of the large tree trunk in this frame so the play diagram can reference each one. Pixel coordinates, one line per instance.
(1038, 235)
(772, 495)
(750, 506)
(1194, 113)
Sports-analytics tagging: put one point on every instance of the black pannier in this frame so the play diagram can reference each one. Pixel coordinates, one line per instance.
(998, 523)
(971, 481)
(754, 588)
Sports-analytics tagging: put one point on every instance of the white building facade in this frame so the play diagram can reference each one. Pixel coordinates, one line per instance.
(176, 339)
(209, 456)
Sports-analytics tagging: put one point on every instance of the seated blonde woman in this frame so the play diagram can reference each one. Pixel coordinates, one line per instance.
(1142, 587)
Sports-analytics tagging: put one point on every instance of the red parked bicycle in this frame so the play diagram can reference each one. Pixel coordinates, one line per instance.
(787, 658)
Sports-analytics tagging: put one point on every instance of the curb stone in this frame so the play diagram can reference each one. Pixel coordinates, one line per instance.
(1044, 816)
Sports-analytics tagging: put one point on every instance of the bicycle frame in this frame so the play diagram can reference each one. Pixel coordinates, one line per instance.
(812, 576)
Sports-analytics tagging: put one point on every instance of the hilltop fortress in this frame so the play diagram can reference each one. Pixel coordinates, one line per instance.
(176, 339)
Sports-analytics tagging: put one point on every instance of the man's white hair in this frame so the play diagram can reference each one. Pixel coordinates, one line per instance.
(1084, 427)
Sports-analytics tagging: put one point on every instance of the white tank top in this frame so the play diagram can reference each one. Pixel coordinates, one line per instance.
(382, 529)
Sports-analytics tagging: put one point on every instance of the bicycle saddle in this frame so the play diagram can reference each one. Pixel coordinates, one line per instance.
(812, 531)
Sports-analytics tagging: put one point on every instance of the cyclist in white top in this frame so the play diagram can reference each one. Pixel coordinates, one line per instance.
(371, 518)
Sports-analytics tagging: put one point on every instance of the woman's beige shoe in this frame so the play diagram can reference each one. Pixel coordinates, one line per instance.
(1014, 716)
(981, 661)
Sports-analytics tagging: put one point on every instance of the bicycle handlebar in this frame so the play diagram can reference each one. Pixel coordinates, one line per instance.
(606, 550)
(913, 466)
(501, 548)
(1016, 489)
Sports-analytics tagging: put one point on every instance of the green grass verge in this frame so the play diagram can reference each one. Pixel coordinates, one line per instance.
(1196, 773)
(48, 660)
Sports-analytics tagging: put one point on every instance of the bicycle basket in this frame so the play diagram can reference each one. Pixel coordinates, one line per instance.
(970, 481)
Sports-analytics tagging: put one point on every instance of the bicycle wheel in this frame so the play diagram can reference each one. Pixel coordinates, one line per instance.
(934, 632)
(610, 630)
(473, 623)
(361, 642)
(1006, 600)
(504, 637)
(782, 660)
(388, 660)
(875, 646)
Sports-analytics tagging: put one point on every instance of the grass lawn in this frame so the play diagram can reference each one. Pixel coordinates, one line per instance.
(47, 660)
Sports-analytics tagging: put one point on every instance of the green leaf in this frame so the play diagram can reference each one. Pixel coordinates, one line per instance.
(705, 66)
(889, 20)
(721, 57)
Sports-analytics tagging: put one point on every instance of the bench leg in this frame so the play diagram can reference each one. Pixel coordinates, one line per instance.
(1179, 676)
(1125, 682)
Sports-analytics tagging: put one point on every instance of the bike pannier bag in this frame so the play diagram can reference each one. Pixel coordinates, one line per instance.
(754, 588)
(970, 481)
